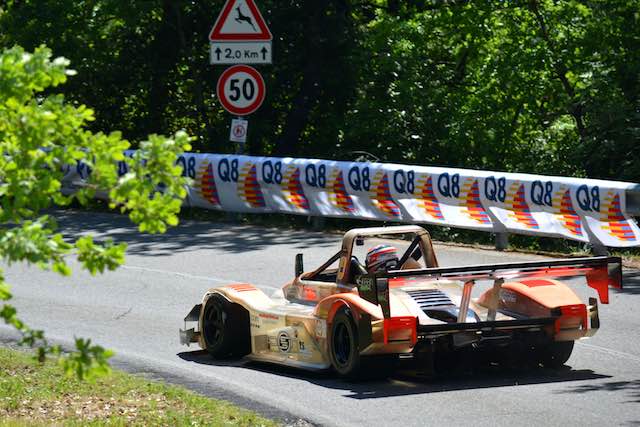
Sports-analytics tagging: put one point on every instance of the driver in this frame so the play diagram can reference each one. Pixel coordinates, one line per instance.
(381, 258)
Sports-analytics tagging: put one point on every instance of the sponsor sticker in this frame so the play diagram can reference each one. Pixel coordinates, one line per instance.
(268, 318)
(365, 283)
(284, 342)
(255, 321)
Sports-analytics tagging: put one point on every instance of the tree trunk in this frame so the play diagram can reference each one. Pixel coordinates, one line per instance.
(304, 100)
(167, 46)
(560, 69)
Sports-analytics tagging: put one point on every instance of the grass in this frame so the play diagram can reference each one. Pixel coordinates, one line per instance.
(40, 394)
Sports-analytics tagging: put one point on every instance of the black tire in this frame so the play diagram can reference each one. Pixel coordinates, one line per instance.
(225, 328)
(344, 351)
(555, 354)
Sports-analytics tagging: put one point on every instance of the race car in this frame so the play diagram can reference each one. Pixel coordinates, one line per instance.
(350, 319)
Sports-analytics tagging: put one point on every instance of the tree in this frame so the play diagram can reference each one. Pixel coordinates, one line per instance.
(41, 136)
(521, 86)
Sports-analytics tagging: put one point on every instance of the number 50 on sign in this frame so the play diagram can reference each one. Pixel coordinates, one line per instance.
(241, 90)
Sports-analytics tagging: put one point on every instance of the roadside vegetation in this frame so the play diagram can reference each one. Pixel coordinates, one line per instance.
(536, 86)
(32, 393)
(40, 136)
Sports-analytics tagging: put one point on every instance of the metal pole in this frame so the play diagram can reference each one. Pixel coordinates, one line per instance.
(318, 223)
(495, 298)
(502, 241)
(464, 304)
(633, 201)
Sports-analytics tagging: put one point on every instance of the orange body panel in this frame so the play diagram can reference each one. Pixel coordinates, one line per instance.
(329, 305)
(532, 297)
(546, 292)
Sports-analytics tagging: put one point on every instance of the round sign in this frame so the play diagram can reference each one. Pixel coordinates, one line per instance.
(241, 90)
(239, 131)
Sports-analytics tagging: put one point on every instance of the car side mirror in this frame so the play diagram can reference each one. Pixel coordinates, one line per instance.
(299, 265)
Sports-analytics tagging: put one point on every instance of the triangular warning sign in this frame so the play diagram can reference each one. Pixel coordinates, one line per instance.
(240, 20)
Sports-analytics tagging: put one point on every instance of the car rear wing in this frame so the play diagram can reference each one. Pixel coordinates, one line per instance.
(600, 272)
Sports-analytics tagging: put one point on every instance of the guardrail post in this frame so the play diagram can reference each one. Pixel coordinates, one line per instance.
(502, 241)
(233, 217)
(633, 201)
(318, 223)
(599, 249)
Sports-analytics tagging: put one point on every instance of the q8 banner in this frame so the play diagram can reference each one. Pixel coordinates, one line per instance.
(585, 210)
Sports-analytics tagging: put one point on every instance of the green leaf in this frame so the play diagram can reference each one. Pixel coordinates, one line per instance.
(5, 292)
(41, 137)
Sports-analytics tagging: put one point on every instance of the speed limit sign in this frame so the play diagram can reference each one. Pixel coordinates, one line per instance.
(241, 90)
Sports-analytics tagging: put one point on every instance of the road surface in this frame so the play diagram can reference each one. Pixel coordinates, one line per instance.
(138, 309)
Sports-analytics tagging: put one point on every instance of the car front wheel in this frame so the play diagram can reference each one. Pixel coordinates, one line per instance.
(225, 328)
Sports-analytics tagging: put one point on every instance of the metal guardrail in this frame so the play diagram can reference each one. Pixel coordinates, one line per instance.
(632, 208)
(591, 211)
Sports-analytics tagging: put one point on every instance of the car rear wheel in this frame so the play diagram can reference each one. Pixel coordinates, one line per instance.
(225, 328)
(555, 354)
(343, 345)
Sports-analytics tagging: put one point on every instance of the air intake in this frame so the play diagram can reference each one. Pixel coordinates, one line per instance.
(429, 298)
(437, 305)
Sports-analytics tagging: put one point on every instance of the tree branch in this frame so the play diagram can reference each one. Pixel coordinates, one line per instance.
(575, 109)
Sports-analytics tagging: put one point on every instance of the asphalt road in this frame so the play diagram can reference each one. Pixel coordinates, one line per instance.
(138, 309)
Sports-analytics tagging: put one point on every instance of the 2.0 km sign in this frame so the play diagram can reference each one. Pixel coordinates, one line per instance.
(236, 52)
(241, 90)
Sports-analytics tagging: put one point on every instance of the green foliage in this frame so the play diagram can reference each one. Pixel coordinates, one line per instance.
(40, 136)
(535, 86)
(517, 86)
(97, 258)
(88, 361)
(40, 394)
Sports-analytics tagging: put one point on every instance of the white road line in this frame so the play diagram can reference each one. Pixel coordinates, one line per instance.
(617, 353)
(189, 276)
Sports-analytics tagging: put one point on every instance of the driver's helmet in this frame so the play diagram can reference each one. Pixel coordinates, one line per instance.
(381, 258)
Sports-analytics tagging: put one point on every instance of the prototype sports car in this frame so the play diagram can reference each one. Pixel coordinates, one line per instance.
(346, 317)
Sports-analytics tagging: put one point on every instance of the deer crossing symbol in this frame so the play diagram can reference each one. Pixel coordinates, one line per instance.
(243, 18)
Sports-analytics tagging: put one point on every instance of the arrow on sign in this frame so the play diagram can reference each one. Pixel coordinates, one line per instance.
(240, 53)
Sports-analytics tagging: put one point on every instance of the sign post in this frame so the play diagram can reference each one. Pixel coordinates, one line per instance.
(240, 36)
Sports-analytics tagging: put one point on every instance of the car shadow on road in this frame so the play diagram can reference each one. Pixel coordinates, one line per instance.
(409, 382)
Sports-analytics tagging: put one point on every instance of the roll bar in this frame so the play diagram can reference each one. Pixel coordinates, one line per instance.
(351, 236)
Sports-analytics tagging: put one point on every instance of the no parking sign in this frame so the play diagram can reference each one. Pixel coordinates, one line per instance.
(239, 129)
